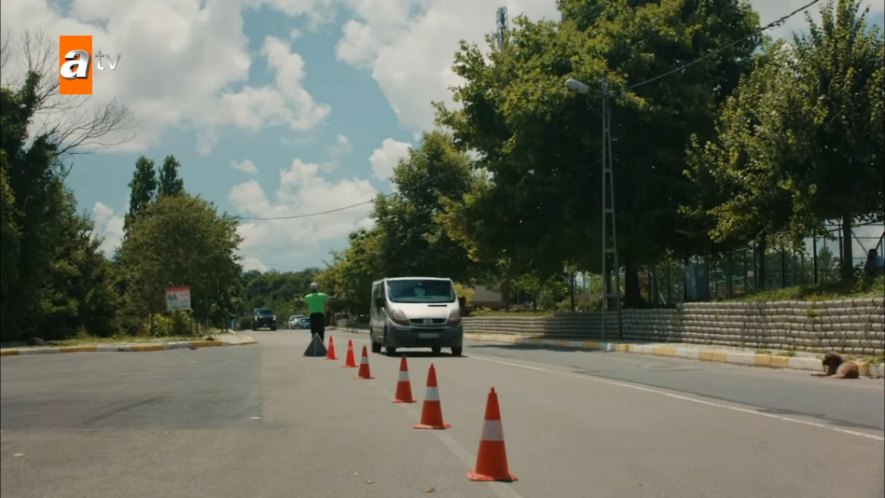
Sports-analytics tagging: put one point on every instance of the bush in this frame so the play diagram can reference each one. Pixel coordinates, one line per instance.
(177, 323)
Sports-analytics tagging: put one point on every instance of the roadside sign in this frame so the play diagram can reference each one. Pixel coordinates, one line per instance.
(178, 298)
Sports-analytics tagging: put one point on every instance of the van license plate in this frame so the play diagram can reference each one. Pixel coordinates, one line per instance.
(428, 335)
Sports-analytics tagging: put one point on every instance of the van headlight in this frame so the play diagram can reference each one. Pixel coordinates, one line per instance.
(399, 317)
(454, 317)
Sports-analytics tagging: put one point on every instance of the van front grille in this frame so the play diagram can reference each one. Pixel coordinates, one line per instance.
(427, 321)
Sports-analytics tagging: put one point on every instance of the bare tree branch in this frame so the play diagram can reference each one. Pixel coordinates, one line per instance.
(78, 123)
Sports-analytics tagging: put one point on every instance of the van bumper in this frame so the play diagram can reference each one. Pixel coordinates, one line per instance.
(420, 337)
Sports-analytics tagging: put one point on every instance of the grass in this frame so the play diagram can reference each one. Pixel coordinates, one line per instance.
(821, 292)
(88, 340)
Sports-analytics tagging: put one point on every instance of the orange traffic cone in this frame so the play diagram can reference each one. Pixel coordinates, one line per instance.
(403, 386)
(491, 461)
(364, 366)
(330, 355)
(431, 413)
(349, 361)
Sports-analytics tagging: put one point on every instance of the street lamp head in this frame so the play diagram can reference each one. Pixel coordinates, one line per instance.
(573, 84)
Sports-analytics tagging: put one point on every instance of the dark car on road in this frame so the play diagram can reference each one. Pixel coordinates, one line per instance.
(264, 318)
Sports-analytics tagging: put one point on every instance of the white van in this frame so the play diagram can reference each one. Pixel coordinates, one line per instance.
(415, 312)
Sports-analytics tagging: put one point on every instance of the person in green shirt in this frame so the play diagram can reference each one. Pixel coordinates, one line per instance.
(316, 309)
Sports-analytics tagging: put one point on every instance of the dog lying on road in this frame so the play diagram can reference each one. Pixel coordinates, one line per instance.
(838, 368)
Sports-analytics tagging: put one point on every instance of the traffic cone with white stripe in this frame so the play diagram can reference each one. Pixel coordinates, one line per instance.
(403, 386)
(431, 412)
(491, 461)
(330, 355)
(364, 366)
(349, 361)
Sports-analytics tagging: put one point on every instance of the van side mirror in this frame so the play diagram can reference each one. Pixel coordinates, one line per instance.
(379, 302)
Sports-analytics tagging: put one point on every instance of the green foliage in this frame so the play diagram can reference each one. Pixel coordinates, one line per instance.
(170, 183)
(352, 272)
(181, 240)
(54, 281)
(539, 142)
(800, 142)
(174, 324)
(142, 187)
(281, 292)
(413, 240)
(411, 235)
(822, 292)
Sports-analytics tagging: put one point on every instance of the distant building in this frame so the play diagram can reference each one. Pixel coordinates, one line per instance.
(487, 297)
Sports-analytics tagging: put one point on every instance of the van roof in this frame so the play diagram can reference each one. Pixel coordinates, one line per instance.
(414, 278)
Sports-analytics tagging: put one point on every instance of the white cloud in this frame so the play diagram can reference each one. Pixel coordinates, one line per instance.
(246, 166)
(771, 11)
(295, 242)
(108, 226)
(317, 12)
(386, 157)
(385, 33)
(206, 141)
(182, 61)
(337, 152)
(286, 103)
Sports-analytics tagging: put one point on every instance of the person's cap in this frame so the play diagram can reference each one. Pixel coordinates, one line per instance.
(314, 286)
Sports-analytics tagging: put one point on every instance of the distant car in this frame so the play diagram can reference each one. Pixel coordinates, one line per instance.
(292, 323)
(264, 317)
(303, 323)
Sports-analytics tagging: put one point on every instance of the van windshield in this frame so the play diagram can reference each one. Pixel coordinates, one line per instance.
(420, 291)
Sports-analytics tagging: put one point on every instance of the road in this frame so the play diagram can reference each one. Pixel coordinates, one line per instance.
(264, 421)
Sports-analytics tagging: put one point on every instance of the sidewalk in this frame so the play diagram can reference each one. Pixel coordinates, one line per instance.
(232, 339)
(701, 352)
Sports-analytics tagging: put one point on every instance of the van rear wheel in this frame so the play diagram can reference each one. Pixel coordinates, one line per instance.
(456, 351)
(436, 349)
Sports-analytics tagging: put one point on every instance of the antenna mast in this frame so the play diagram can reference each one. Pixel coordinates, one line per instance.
(501, 16)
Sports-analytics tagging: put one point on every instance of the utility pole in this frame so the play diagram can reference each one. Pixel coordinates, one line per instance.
(609, 241)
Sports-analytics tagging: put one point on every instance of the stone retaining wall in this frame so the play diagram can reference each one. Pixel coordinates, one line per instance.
(855, 326)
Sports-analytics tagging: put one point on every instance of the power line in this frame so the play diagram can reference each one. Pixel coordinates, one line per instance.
(773, 24)
(303, 215)
(427, 182)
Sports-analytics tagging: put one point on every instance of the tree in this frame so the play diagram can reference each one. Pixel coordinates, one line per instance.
(181, 240)
(280, 292)
(77, 123)
(743, 189)
(170, 184)
(77, 294)
(414, 241)
(53, 279)
(352, 271)
(142, 189)
(539, 142)
(800, 142)
(839, 64)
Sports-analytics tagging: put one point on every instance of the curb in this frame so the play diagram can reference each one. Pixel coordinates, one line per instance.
(106, 348)
(720, 356)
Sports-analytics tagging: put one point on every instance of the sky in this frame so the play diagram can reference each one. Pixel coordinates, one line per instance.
(275, 107)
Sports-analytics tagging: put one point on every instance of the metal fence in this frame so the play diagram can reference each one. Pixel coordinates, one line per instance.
(738, 272)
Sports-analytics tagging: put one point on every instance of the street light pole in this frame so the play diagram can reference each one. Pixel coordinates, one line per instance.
(608, 210)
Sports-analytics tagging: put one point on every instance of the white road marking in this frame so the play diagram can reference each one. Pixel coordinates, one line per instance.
(468, 458)
(659, 392)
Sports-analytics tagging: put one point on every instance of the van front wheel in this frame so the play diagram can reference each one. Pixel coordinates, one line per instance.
(456, 351)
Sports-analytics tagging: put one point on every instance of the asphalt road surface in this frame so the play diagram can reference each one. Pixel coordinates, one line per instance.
(264, 421)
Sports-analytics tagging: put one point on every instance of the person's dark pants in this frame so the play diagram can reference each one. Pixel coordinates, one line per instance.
(318, 325)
